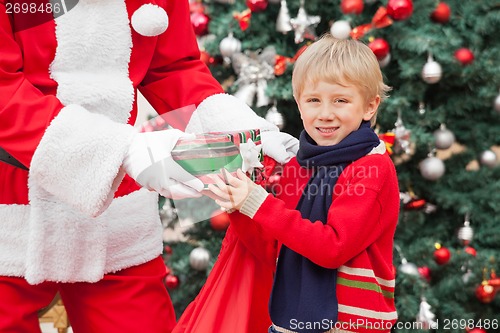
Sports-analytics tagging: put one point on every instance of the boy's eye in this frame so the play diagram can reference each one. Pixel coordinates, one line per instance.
(340, 100)
(312, 100)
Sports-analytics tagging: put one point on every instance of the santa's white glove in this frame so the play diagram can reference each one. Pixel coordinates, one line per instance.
(279, 145)
(149, 162)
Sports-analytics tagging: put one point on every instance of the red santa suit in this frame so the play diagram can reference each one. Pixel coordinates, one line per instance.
(67, 103)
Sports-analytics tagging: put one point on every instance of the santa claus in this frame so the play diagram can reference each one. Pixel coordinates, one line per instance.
(73, 218)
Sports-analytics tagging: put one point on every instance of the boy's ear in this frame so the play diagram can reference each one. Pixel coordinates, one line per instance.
(372, 108)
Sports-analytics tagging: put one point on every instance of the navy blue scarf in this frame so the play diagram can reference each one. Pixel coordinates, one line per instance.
(304, 292)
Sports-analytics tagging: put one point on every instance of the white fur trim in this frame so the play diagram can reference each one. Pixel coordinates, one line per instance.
(150, 20)
(223, 112)
(73, 247)
(13, 239)
(78, 160)
(380, 149)
(94, 44)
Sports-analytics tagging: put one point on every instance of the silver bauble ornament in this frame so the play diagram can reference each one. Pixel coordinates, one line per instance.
(432, 168)
(341, 29)
(408, 268)
(421, 108)
(275, 117)
(443, 137)
(385, 61)
(488, 158)
(465, 233)
(467, 276)
(497, 104)
(199, 258)
(402, 136)
(432, 71)
(283, 24)
(229, 46)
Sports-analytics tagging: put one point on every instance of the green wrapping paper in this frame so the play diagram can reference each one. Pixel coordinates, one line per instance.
(208, 153)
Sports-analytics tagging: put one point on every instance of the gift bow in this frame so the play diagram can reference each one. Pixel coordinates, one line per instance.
(250, 153)
(379, 20)
(282, 61)
(389, 138)
(243, 18)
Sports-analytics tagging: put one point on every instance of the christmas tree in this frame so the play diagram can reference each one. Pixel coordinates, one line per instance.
(441, 126)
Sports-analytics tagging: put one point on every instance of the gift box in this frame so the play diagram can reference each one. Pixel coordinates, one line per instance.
(269, 176)
(208, 153)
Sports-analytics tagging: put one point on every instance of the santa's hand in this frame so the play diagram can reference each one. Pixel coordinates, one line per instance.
(279, 145)
(149, 162)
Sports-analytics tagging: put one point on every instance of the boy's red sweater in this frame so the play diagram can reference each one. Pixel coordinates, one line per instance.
(357, 238)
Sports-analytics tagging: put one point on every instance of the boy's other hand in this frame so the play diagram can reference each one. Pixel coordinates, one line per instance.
(231, 190)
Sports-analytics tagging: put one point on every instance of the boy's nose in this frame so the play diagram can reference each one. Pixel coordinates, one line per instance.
(326, 114)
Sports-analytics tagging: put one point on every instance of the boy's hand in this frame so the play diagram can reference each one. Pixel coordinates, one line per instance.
(233, 191)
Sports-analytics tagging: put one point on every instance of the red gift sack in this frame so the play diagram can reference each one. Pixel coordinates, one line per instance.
(236, 294)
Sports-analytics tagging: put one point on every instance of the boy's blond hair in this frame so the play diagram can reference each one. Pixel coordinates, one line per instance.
(344, 62)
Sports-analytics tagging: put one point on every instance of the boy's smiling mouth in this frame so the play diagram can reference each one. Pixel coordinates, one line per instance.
(327, 130)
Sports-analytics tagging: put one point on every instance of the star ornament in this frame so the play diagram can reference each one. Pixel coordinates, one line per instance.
(250, 152)
(304, 25)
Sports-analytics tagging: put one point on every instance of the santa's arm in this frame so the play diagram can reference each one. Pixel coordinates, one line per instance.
(177, 78)
(72, 153)
(25, 111)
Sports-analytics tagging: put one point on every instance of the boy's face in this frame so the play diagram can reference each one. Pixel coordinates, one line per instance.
(330, 112)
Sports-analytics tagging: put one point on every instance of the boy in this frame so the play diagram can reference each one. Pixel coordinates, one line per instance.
(337, 206)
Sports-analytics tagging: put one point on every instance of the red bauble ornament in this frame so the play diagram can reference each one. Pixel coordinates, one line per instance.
(470, 250)
(352, 6)
(167, 252)
(476, 330)
(465, 56)
(442, 13)
(380, 48)
(167, 249)
(219, 220)
(485, 293)
(206, 58)
(168, 271)
(196, 7)
(442, 255)
(200, 21)
(495, 282)
(400, 9)
(171, 281)
(425, 273)
(257, 5)
(415, 204)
